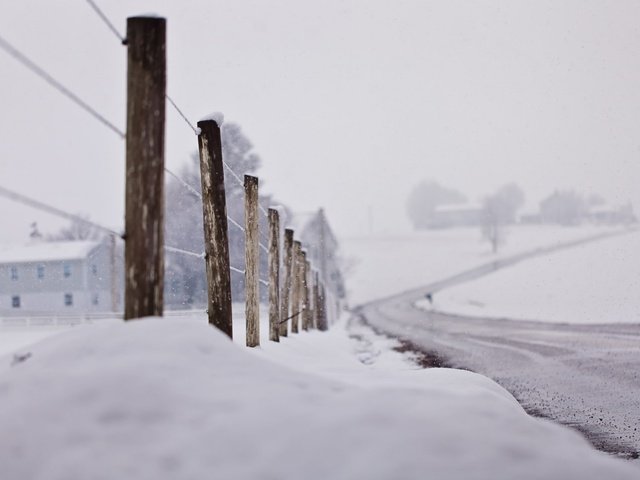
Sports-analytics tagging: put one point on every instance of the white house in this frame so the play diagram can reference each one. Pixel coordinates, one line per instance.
(60, 277)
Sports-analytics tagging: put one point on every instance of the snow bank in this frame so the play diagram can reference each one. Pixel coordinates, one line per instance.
(592, 283)
(175, 399)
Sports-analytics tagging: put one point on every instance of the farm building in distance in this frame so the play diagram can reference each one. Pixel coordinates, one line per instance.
(71, 277)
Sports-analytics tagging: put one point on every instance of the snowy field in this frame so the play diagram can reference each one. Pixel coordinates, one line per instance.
(598, 282)
(385, 265)
(174, 399)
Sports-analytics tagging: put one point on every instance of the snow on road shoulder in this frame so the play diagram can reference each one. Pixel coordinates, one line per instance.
(175, 399)
(592, 283)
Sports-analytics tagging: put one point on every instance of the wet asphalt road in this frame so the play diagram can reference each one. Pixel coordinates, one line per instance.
(585, 376)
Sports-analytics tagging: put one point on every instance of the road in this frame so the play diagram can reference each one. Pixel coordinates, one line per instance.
(584, 376)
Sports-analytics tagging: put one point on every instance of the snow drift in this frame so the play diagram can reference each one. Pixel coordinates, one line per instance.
(175, 399)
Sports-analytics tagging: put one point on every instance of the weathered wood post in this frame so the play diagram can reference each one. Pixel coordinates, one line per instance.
(322, 303)
(316, 299)
(323, 247)
(286, 285)
(216, 239)
(251, 260)
(306, 307)
(308, 319)
(274, 275)
(295, 286)
(144, 202)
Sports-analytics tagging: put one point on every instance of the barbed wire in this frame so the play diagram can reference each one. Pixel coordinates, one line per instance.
(39, 71)
(184, 252)
(184, 183)
(177, 109)
(236, 224)
(107, 22)
(20, 198)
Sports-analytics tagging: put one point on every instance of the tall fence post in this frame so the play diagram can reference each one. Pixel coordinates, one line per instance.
(216, 239)
(295, 285)
(286, 286)
(251, 252)
(274, 275)
(307, 295)
(144, 202)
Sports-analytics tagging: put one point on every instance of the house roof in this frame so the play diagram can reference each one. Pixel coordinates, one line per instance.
(46, 251)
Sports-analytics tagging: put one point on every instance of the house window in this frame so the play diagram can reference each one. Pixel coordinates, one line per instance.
(14, 273)
(40, 271)
(94, 269)
(66, 270)
(95, 299)
(15, 301)
(68, 299)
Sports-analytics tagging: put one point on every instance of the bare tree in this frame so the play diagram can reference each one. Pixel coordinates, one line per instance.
(76, 230)
(498, 211)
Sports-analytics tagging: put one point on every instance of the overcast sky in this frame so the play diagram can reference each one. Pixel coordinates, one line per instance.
(349, 103)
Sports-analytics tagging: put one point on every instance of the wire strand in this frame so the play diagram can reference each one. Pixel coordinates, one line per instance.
(107, 22)
(184, 183)
(184, 252)
(237, 270)
(236, 224)
(233, 173)
(18, 197)
(29, 64)
(195, 130)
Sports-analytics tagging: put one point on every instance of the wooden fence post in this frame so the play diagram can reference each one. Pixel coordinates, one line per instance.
(216, 239)
(286, 286)
(308, 311)
(316, 299)
(295, 285)
(274, 275)
(144, 203)
(304, 296)
(322, 303)
(251, 260)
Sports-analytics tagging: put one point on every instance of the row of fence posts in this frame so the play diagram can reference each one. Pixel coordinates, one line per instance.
(298, 298)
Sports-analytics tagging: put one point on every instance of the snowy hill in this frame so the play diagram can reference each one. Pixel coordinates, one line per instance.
(592, 283)
(386, 265)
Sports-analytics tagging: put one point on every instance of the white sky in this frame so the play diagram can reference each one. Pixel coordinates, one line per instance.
(349, 103)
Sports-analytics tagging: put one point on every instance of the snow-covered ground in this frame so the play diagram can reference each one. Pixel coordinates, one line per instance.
(174, 399)
(385, 265)
(596, 282)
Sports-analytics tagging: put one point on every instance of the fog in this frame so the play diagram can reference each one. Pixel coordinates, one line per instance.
(349, 103)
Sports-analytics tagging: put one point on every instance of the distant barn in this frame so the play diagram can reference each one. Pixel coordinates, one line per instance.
(458, 215)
